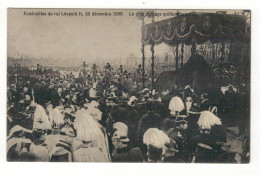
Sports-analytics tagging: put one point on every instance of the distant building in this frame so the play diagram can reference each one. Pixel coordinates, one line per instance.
(131, 60)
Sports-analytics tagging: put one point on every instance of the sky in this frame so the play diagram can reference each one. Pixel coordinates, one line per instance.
(75, 37)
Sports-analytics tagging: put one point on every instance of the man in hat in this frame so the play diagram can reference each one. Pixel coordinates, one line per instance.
(188, 92)
(68, 128)
(179, 135)
(231, 97)
(114, 91)
(174, 90)
(193, 115)
(27, 92)
(125, 95)
(151, 119)
(55, 95)
(154, 154)
(205, 102)
(23, 118)
(105, 83)
(41, 93)
(13, 95)
(131, 118)
(172, 149)
(128, 83)
(18, 143)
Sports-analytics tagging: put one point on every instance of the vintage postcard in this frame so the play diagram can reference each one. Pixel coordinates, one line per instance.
(122, 85)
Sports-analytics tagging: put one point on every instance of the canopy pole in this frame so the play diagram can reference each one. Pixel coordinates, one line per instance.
(217, 55)
(142, 49)
(230, 51)
(182, 50)
(213, 53)
(193, 46)
(152, 65)
(222, 51)
(221, 61)
(152, 50)
(177, 56)
(143, 59)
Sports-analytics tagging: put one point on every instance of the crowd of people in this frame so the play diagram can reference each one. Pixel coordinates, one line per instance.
(107, 115)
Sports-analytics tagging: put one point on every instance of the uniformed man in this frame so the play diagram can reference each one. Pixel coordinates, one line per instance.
(108, 67)
(120, 69)
(139, 69)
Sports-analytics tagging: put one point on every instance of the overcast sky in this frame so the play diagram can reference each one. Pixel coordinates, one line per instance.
(62, 37)
(72, 37)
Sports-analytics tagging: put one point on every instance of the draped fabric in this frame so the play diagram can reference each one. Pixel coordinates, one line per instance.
(196, 73)
(202, 26)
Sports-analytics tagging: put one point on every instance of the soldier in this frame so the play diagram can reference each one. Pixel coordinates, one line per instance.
(108, 67)
(121, 70)
(94, 72)
(205, 103)
(178, 134)
(139, 70)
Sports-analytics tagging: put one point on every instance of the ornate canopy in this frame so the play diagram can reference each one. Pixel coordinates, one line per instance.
(202, 26)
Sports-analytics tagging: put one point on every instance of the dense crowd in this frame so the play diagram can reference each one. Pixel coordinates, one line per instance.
(106, 115)
(229, 73)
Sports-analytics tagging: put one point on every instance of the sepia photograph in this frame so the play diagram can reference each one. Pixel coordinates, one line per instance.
(128, 85)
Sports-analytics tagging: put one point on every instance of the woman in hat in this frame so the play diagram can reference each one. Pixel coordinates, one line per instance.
(41, 126)
(38, 147)
(92, 109)
(176, 105)
(151, 119)
(130, 116)
(90, 144)
(125, 95)
(122, 151)
(210, 138)
(156, 141)
(18, 143)
(56, 119)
